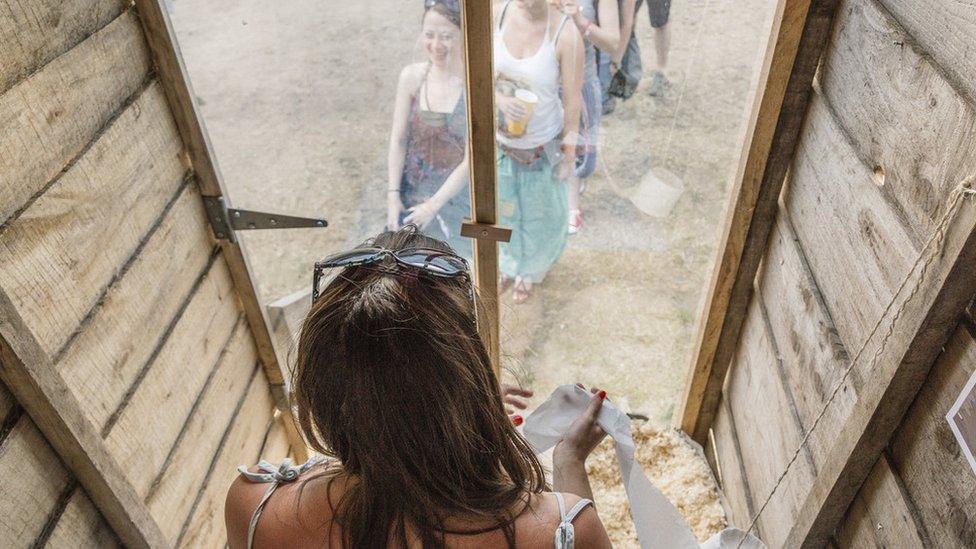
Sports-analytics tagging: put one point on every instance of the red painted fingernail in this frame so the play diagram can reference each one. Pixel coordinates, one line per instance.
(602, 395)
(517, 420)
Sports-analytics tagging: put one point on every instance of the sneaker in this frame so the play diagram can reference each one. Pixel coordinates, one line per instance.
(658, 83)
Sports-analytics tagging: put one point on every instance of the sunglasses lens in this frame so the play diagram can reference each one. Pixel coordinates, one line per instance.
(435, 262)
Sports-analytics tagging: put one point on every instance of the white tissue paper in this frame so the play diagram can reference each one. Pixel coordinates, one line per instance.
(657, 522)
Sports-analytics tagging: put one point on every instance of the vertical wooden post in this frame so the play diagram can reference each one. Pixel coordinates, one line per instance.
(476, 15)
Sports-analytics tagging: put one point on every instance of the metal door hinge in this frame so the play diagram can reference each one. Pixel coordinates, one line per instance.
(224, 221)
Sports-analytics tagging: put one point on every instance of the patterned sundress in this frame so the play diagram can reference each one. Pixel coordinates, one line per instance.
(435, 147)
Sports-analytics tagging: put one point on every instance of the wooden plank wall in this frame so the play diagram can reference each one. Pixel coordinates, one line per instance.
(891, 129)
(108, 268)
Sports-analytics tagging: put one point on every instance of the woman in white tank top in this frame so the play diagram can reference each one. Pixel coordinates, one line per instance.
(539, 67)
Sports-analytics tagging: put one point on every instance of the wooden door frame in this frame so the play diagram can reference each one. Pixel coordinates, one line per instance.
(798, 37)
(175, 81)
(482, 228)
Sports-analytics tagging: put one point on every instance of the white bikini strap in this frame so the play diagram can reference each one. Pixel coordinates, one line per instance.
(565, 532)
(559, 30)
(501, 17)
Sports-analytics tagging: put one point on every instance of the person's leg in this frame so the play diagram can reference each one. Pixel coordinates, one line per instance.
(574, 201)
(585, 163)
(603, 71)
(662, 46)
(660, 12)
(544, 214)
(509, 253)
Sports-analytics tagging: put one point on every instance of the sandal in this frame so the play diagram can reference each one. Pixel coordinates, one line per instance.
(503, 283)
(575, 221)
(521, 291)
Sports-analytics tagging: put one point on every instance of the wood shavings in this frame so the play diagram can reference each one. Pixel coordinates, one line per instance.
(674, 466)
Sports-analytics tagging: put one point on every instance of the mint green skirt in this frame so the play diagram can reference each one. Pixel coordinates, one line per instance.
(534, 204)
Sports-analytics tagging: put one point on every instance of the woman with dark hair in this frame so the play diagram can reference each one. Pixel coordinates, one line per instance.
(394, 385)
(427, 161)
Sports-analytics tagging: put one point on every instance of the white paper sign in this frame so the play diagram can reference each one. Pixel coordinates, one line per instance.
(657, 522)
(962, 420)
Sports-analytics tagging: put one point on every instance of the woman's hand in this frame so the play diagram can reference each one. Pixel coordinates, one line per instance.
(512, 108)
(422, 214)
(393, 208)
(514, 399)
(583, 435)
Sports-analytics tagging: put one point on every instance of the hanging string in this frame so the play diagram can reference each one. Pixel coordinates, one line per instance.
(930, 250)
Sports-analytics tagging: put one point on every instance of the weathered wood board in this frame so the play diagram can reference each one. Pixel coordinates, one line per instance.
(102, 362)
(811, 353)
(890, 131)
(52, 116)
(732, 474)
(772, 437)
(242, 446)
(122, 325)
(853, 240)
(165, 396)
(799, 32)
(64, 250)
(947, 31)
(34, 481)
(935, 473)
(898, 111)
(42, 503)
(881, 515)
(34, 33)
(80, 525)
(186, 468)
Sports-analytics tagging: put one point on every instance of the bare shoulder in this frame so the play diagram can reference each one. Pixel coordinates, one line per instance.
(496, 9)
(298, 511)
(569, 40)
(589, 529)
(412, 75)
(242, 500)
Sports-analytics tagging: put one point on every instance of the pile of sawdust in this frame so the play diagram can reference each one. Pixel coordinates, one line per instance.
(673, 466)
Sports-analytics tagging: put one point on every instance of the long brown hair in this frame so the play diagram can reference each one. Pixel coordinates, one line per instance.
(394, 380)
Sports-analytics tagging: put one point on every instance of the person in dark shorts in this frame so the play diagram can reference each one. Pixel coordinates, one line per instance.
(659, 12)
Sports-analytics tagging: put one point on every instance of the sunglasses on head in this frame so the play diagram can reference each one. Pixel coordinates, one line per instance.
(430, 261)
(452, 5)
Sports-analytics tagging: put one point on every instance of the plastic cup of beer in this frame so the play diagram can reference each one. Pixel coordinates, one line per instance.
(516, 127)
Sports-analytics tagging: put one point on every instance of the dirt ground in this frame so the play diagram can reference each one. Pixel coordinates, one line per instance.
(298, 102)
